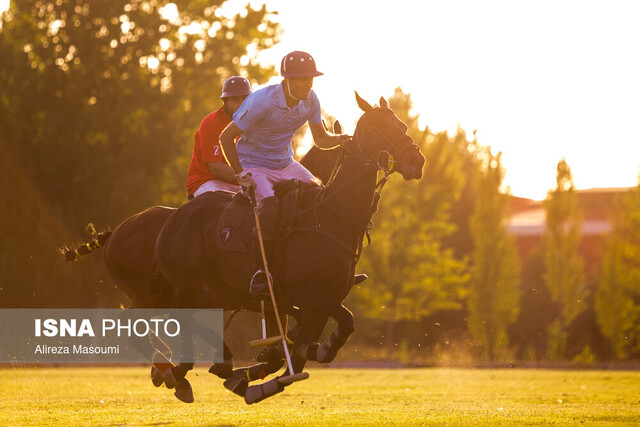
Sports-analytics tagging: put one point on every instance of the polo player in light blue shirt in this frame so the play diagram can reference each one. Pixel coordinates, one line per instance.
(269, 124)
(265, 124)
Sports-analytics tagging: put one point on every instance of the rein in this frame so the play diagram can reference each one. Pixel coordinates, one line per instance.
(370, 161)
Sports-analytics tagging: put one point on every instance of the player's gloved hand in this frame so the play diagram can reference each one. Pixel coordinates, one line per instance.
(343, 139)
(246, 182)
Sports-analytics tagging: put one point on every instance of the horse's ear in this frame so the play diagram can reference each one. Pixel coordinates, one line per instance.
(383, 103)
(364, 105)
(337, 127)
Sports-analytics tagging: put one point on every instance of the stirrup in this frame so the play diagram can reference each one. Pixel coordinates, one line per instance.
(259, 287)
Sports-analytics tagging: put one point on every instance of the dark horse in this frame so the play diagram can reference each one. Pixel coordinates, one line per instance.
(128, 253)
(314, 262)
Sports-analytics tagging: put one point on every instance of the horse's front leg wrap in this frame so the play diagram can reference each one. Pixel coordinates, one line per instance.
(328, 351)
(222, 370)
(257, 393)
(176, 373)
(237, 384)
(255, 372)
(308, 351)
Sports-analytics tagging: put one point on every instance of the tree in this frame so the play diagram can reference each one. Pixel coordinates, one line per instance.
(617, 299)
(563, 266)
(413, 276)
(99, 102)
(493, 293)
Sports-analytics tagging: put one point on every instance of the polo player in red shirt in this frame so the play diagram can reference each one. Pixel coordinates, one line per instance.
(208, 169)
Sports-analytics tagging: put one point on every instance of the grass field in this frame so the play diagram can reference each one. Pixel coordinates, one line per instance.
(122, 396)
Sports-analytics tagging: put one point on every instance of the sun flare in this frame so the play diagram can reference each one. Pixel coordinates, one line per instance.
(570, 90)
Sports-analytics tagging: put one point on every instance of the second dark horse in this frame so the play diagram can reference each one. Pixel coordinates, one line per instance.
(314, 264)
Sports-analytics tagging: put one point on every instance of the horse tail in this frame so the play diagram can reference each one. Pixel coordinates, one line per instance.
(83, 249)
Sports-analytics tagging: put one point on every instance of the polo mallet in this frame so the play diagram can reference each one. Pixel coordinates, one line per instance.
(264, 341)
(264, 320)
(292, 377)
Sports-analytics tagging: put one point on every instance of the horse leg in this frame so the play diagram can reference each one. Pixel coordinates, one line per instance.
(144, 346)
(314, 296)
(328, 350)
(176, 375)
(305, 345)
(223, 370)
(309, 330)
(271, 358)
(273, 354)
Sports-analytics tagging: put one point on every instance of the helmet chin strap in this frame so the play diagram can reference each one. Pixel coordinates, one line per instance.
(291, 94)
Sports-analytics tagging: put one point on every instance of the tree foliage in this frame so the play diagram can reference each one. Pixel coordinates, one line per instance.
(563, 265)
(99, 102)
(493, 293)
(413, 276)
(617, 300)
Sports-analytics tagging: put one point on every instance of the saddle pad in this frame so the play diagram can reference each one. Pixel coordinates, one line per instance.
(235, 229)
(235, 226)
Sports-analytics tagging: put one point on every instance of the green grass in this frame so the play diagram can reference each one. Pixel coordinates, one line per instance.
(117, 396)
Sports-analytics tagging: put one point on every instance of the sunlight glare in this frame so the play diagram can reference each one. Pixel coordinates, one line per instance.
(165, 44)
(153, 63)
(169, 12)
(191, 29)
(569, 91)
(4, 5)
(55, 26)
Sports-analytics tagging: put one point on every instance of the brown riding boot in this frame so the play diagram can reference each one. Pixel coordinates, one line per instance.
(268, 215)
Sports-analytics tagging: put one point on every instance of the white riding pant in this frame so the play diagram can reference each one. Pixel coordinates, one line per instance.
(216, 185)
(265, 178)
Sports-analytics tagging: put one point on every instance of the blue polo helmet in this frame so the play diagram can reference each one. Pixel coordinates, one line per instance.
(235, 86)
(298, 64)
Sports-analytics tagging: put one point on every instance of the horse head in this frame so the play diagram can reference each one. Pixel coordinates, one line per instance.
(382, 137)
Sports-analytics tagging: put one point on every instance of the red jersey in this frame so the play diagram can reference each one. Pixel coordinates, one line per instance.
(207, 149)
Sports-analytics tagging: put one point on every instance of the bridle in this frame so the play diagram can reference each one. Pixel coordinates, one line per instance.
(397, 150)
(354, 148)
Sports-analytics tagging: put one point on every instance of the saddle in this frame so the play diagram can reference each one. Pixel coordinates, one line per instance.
(236, 228)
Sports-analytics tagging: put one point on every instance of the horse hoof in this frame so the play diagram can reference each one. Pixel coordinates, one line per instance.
(169, 379)
(324, 354)
(273, 366)
(157, 377)
(237, 384)
(222, 370)
(184, 391)
(270, 355)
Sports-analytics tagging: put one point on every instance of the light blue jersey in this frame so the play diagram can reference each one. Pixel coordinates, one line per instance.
(269, 124)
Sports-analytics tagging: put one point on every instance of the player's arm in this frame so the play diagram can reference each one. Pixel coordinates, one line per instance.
(222, 171)
(326, 140)
(227, 142)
